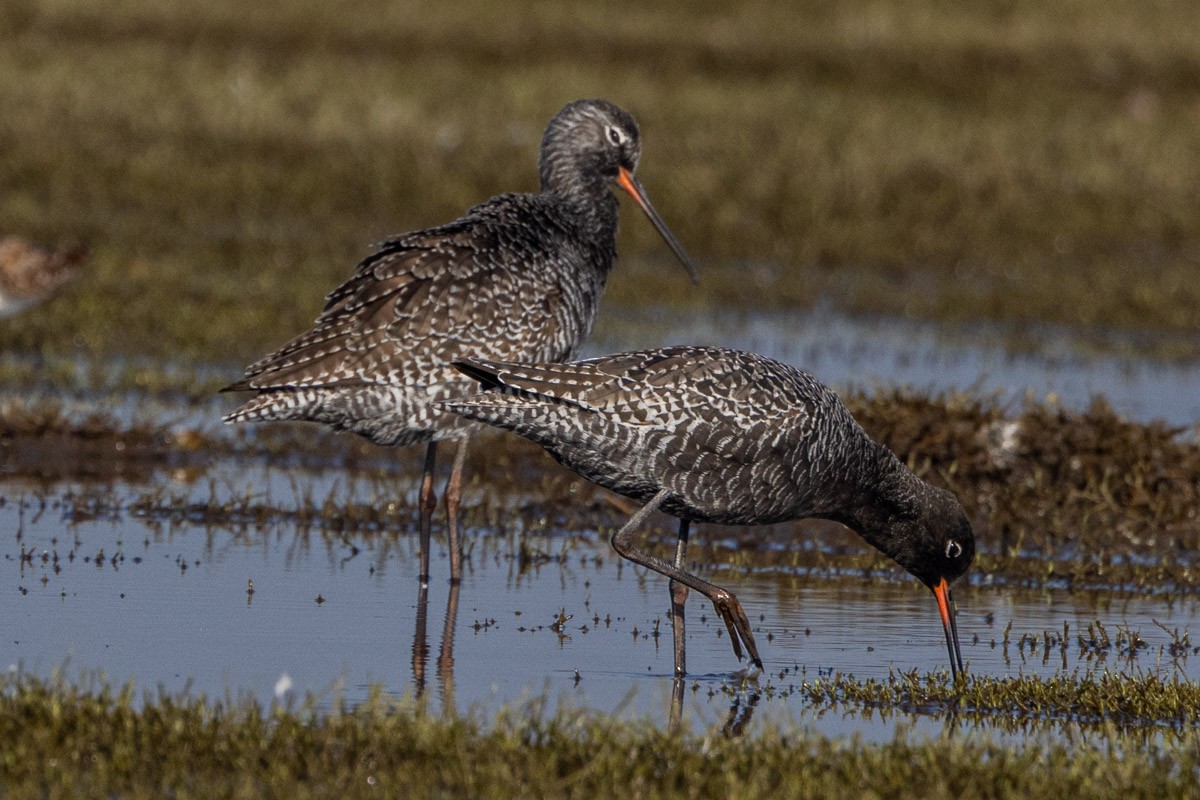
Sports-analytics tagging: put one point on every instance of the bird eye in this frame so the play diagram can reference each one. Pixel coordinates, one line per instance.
(615, 136)
(953, 549)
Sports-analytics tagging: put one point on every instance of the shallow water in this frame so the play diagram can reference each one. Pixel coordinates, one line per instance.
(164, 601)
(845, 351)
(167, 605)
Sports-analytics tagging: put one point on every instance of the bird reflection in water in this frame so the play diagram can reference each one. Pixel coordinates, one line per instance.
(739, 714)
(445, 659)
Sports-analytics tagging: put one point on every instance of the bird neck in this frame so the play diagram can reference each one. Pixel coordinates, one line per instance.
(563, 174)
(586, 195)
(886, 503)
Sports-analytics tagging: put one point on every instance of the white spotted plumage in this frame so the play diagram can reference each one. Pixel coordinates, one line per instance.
(733, 437)
(519, 277)
(737, 438)
(713, 435)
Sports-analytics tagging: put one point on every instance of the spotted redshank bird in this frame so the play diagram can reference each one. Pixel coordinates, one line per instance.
(30, 274)
(713, 435)
(519, 277)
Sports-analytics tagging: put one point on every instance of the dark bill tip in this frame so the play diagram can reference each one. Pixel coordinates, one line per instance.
(627, 182)
(941, 591)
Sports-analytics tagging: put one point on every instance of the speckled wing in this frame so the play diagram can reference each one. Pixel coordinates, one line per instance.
(507, 281)
(701, 422)
(661, 387)
(401, 316)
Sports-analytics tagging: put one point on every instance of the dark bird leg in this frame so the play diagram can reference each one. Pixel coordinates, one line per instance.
(453, 496)
(426, 503)
(724, 601)
(679, 593)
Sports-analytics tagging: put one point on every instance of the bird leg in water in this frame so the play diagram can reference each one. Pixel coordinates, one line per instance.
(426, 503)
(453, 495)
(679, 593)
(723, 600)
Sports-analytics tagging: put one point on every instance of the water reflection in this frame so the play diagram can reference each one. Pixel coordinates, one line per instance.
(169, 604)
(420, 648)
(445, 659)
(740, 715)
(678, 684)
(445, 662)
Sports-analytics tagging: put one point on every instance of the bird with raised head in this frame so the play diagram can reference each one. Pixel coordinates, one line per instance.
(518, 277)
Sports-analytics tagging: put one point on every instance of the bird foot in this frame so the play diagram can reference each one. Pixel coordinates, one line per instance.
(730, 609)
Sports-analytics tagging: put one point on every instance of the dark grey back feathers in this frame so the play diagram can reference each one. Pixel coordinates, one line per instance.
(518, 277)
(734, 437)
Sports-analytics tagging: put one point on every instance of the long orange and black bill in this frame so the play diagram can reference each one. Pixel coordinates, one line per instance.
(627, 182)
(941, 590)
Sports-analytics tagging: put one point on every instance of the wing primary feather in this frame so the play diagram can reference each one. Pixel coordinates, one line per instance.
(487, 377)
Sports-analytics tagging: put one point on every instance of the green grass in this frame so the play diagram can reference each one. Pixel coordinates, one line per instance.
(1108, 698)
(66, 742)
(230, 163)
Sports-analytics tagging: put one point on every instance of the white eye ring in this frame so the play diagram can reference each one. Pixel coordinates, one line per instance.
(953, 549)
(616, 135)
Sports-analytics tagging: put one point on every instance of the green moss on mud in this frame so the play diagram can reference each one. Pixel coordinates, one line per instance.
(62, 741)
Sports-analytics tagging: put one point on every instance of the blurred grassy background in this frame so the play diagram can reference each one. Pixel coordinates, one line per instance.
(229, 162)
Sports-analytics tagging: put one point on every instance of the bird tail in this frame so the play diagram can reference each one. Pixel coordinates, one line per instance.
(275, 405)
